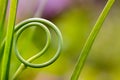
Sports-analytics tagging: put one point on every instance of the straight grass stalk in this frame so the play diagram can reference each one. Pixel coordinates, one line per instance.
(9, 38)
(90, 40)
(3, 8)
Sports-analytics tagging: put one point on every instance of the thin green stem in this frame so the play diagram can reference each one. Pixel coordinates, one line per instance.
(3, 8)
(8, 43)
(21, 68)
(90, 40)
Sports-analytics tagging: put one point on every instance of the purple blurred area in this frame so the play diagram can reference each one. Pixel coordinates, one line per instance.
(54, 7)
(47, 76)
(50, 8)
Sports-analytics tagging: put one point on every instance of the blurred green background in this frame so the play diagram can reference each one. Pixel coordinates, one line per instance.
(75, 19)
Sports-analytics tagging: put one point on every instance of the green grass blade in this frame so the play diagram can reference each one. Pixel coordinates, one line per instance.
(90, 40)
(8, 43)
(3, 7)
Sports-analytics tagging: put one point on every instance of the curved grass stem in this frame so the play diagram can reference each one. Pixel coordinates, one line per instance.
(8, 42)
(44, 24)
(90, 40)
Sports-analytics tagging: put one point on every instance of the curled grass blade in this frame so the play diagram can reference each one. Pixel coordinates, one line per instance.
(44, 24)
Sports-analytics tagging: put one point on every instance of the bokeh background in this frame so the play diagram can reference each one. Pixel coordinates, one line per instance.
(75, 19)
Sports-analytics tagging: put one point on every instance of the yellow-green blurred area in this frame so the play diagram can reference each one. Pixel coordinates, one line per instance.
(75, 19)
